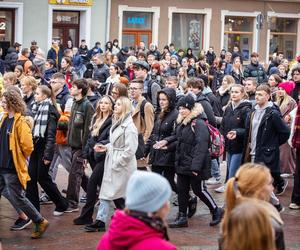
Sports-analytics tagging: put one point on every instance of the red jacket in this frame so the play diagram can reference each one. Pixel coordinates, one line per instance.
(126, 232)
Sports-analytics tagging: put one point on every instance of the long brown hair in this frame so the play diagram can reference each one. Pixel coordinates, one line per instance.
(249, 227)
(14, 100)
(48, 92)
(98, 117)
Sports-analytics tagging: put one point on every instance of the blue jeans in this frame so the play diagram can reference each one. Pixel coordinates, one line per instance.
(215, 169)
(14, 189)
(233, 163)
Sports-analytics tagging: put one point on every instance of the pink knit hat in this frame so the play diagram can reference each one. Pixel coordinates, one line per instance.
(287, 86)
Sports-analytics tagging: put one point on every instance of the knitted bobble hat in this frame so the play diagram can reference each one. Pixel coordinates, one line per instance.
(186, 102)
(147, 192)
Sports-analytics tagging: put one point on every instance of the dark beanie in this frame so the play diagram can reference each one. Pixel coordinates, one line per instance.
(186, 102)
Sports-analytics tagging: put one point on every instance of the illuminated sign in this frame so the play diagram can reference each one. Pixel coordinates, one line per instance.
(136, 20)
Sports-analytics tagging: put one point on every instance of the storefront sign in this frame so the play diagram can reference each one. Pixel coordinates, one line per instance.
(2, 25)
(72, 2)
(136, 20)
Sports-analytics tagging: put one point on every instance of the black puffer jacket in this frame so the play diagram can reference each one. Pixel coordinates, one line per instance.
(235, 119)
(192, 150)
(257, 71)
(97, 72)
(164, 130)
(101, 138)
(46, 145)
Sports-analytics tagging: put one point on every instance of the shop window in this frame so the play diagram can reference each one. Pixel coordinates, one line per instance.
(187, 31)
(283, 36)
(7, 23)
(137, 27)
(238, 31)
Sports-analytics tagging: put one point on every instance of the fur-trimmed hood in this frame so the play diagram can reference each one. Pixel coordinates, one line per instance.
(195, 112)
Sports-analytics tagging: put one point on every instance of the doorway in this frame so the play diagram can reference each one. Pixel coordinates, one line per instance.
(66, 27)
(132, 38)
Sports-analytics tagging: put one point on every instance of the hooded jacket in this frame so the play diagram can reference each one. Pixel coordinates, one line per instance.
(193, 140)
(126, 232)
(164, 130)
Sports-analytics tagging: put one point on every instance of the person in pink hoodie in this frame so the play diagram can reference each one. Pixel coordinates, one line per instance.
(141, 225)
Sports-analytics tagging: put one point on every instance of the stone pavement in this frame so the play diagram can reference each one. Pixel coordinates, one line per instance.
(62, 234)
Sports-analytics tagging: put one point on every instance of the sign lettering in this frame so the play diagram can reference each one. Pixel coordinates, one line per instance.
(136, 20)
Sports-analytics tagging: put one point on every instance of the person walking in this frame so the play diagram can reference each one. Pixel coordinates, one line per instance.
(80, 120)
(99, 134)
(120, 162)
(16, 147)
(192, 160)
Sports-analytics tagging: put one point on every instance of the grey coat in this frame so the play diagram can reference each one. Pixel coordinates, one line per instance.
(120, 161)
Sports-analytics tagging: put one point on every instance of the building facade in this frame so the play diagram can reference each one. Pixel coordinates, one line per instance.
(43, 20)
(254, 25)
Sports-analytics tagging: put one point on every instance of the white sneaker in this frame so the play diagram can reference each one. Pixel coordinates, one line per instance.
(57, 213)
(220, 189)
(294, 206)
(213, 181)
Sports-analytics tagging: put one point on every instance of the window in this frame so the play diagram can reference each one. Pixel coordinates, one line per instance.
(238, 31)
(283, 36)
(6, 25)
(137, 27)
(187, 31)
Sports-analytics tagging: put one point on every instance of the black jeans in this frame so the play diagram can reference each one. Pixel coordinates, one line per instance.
(167, 172)
(184, 182)
(95, 181)
(296, 189)
(77, 177)
(39, 173)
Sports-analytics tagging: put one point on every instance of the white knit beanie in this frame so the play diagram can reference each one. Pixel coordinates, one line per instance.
(147, 192)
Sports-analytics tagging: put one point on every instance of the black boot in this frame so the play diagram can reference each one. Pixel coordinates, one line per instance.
(82, 221)
(180, 221)
(97, 226)
(192, 208)
(217, 215)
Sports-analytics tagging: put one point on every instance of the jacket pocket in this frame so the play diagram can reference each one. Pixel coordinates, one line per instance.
(269, 155)
(79, 119)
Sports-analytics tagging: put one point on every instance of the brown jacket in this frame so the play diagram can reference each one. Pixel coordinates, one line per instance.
(144, 126)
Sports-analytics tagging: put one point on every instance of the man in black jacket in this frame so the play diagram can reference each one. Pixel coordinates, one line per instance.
(80, 120)
(266, 131)
(254, 69)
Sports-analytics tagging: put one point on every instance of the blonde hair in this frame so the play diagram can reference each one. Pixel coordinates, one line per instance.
(249, 227)
(30, 81)
(230, 80)
(249, 181)
(130, 59)
(126, 108)
(98, 117)
(11, 76)
(282, 102)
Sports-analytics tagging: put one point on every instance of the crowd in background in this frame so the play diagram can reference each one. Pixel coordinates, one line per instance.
(177, 114)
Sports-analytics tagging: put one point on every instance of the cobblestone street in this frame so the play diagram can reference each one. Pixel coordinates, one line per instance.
(62, 234)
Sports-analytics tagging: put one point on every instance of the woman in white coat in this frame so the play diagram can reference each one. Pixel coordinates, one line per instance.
(120, 162)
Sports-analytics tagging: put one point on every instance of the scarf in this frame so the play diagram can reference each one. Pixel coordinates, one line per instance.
(296, 136)
(56, 48)
(151, 221)
(40, 112)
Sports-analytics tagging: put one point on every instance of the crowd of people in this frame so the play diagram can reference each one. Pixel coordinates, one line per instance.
(172, 113)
